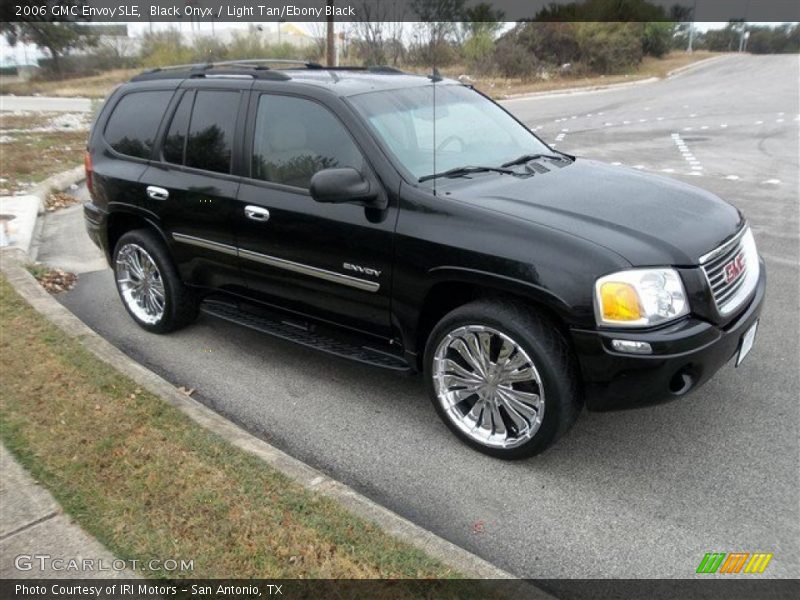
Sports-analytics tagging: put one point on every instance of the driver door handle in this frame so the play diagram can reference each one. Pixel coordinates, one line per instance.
(256, 213)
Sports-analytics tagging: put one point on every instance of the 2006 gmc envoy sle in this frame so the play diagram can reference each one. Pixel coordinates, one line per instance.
(411, 223)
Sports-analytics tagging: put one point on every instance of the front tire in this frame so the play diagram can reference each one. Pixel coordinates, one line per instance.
(149, 285)
(502, 378)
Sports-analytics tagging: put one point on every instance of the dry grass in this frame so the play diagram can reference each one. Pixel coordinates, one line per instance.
(500, 87)
(148, 482)
(96, 86)
(28, 156)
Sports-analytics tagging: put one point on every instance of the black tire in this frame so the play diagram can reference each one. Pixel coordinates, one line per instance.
(180, 302)
(551, 356)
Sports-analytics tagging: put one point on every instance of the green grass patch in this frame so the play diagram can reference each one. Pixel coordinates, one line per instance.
(148, 482)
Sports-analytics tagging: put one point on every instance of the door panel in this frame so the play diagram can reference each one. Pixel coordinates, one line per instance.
(332, 261)
(196, 213)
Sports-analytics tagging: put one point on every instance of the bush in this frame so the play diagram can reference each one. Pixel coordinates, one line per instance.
(161, 48)
(477, 49)
(657, 38)
(208, 49)
(608, 48)
(513, 59)
(422, 55)
(553, 43)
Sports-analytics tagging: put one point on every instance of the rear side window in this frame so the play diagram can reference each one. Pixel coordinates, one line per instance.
(132, 127)
(210, 138)
(295, 138)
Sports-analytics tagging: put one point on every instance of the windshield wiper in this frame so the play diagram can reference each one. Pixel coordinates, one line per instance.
(525, 158)
(461, 171)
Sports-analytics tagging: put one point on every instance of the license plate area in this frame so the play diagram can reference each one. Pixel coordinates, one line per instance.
(747, 343)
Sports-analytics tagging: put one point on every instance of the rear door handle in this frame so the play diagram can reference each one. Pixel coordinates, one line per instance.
(256, 213)
(157, 193)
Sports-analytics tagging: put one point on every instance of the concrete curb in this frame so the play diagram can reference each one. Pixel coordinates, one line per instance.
(577, 91)
(462, 560)
(30, 207)
(695, 65)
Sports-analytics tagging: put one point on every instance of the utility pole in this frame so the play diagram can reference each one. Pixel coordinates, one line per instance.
(691, 28)
(330, 47)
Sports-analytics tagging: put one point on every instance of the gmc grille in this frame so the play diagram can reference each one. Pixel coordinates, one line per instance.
(732, 272)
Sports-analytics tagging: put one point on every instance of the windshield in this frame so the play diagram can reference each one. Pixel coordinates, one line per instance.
(470, 129)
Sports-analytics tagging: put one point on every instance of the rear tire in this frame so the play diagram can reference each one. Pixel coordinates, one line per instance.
(502, 378)
(149, 285)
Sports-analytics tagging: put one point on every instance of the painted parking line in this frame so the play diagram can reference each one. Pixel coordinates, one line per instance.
(695, 168)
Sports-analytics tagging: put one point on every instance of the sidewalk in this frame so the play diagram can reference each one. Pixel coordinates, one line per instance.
(32, 524)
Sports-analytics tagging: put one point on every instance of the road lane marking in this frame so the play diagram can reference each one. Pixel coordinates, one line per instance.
(771, 181)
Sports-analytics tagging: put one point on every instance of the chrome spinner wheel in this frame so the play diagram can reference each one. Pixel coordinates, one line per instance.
(488, 386)
(140, 283)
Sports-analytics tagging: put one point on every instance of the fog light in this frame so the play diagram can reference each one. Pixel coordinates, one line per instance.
(631, 347)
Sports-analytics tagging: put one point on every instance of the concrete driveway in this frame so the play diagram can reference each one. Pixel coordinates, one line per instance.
(642, 494)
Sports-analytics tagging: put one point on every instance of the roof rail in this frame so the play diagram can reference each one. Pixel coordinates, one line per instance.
(254, 62)
(257, 68)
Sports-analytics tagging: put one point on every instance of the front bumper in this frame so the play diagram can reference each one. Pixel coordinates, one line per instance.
(685, 356)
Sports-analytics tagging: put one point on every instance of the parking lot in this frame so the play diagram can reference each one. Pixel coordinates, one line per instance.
(642, 493)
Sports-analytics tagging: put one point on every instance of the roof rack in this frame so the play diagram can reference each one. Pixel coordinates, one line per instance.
(254, 68)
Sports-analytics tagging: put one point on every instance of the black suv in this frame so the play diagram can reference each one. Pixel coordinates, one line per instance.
(411, 223)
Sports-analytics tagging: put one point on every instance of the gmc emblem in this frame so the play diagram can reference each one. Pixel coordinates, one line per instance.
(734, 268)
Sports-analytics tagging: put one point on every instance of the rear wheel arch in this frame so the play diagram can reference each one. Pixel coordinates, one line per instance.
(121, 222)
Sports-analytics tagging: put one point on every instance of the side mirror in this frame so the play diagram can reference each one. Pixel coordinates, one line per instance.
(341, 186)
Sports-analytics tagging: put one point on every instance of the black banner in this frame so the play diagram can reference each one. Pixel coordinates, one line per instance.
(206, 11)
(729, 588)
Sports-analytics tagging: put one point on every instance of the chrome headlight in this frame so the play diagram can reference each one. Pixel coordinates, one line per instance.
(639, 298)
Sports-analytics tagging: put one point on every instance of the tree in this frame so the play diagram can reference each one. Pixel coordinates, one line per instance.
(379, 32)
(57, 39)
(480, 20)
(437, 25)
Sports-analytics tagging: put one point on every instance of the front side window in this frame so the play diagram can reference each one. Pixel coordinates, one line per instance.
(211, 129)
(295, 138)
(132, 127)
(456, 127)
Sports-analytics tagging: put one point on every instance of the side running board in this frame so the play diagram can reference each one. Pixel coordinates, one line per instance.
(299, 333)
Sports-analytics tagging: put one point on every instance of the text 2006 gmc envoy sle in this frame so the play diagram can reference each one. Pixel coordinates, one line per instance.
(323, 206)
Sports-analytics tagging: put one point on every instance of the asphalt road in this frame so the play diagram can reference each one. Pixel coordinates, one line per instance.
(640, 493)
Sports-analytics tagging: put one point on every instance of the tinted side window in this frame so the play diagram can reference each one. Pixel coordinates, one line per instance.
(211, 131)
(175, 142)
(132, 127)
(295, 138)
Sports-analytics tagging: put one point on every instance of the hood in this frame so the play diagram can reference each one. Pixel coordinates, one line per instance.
(647, 219)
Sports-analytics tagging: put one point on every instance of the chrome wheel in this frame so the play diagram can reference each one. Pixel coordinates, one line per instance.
(488, 386)
(140, 283)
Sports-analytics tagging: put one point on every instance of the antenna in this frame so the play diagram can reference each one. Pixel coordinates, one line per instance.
(434, 79)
